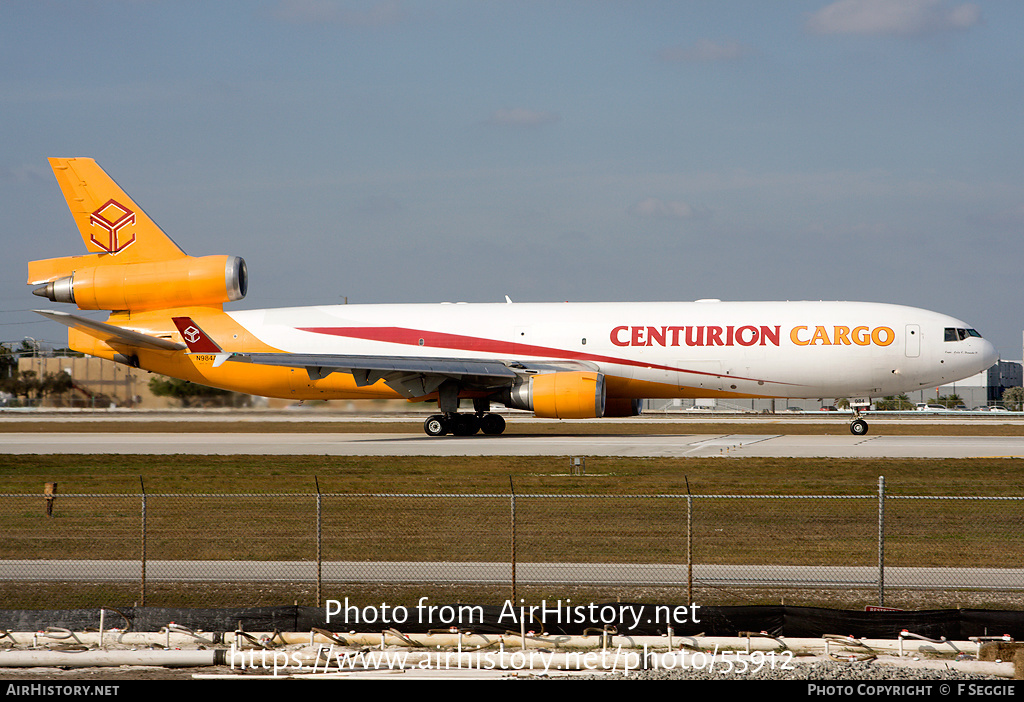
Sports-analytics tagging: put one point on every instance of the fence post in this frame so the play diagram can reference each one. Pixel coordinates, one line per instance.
(512, 506)
(689, 542)
(142, 582)
(319, 539)
(689, 546)
(881, 541)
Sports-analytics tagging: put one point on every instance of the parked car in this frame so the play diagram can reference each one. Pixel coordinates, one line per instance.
(924, 407)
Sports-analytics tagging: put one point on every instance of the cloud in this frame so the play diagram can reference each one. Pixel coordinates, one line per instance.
(893, 17)
(520, 117)
(25, 173)
(374, 14)
(705, 51)
(656, 208)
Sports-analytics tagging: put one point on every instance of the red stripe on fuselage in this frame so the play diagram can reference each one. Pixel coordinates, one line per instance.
(507, 349)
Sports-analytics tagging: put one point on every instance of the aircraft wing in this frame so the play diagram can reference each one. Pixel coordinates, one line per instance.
(111, 334)
(411, 376)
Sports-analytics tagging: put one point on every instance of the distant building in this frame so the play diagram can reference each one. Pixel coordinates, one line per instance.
(101, 384)
(1003, 375)
(97, 383)
(985, 388)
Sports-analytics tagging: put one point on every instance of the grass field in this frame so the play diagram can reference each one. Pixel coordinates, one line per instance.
(23, 474)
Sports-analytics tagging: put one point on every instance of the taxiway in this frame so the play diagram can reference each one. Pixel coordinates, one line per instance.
(649, 445)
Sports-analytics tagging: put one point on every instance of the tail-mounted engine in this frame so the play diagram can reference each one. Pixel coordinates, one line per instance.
(179, 282)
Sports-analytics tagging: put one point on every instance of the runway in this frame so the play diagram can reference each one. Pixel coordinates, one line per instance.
(650, 445)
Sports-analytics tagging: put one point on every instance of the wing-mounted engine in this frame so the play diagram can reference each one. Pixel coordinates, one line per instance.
(623, 407)
(564, 395)
(95, 284)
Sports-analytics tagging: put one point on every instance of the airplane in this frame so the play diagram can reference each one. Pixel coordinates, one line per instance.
(558, 360)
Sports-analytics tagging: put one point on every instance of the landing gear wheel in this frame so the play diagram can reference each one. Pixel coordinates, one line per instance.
(435, 425)
(465, 425)
(492, 424)
(858, 427)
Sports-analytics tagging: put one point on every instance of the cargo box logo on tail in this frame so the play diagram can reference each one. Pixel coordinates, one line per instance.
(113, 217)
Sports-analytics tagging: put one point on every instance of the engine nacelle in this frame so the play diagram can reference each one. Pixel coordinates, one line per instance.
(623, 407)
(568, 395)
(148, 285)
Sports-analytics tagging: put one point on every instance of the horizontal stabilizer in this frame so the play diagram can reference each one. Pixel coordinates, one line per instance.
(111, 334)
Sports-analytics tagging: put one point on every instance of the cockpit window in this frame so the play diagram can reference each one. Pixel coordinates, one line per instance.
(954, 334)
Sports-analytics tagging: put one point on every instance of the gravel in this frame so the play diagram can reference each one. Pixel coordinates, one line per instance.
(819, 670)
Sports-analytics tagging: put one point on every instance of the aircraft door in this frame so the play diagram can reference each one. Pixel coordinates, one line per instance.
(706, 374)
(913, 341)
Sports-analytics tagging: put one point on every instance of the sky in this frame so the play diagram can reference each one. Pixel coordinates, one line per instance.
(427, 151)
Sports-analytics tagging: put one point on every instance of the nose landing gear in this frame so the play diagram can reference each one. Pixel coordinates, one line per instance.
(858, 427)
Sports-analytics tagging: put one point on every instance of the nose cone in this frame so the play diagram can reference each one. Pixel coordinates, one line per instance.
(988, 354)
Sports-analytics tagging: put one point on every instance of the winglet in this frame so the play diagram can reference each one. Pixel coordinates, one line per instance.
(195, 338)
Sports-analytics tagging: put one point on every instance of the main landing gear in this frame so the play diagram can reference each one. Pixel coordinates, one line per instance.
(461, 424)
(451, 421)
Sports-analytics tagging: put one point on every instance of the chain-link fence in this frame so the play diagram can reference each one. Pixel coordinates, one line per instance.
(81, 550)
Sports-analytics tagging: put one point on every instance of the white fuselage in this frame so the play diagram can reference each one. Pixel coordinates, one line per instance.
(661, 349)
